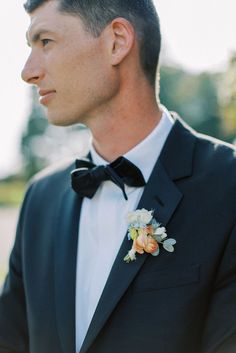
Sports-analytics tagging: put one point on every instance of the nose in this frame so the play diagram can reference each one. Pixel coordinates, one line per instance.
(32, 72)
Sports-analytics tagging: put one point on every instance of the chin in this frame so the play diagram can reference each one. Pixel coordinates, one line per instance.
(64, 117)
(59, 120)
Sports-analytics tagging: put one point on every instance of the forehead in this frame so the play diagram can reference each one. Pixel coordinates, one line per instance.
(47, 18)
(47, 11)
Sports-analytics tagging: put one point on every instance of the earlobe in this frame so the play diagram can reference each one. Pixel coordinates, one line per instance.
(123, 39)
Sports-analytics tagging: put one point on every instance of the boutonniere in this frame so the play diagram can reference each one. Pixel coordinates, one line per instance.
(147, 234)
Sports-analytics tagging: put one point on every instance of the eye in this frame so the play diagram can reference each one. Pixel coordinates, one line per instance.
(45, 41)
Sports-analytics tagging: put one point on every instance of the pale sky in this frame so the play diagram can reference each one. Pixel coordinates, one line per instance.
(198, 35)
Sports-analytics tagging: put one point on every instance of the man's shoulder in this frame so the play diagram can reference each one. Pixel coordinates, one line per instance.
(54, 176)
(207, 149)
(196, 153)
(214, 162)
(216, 152)
(205, 159)
(45, 189)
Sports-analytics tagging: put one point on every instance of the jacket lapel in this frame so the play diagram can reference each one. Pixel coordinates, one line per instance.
(65, 247)
(161, 195)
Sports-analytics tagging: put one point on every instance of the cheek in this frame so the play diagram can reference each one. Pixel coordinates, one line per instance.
(76, 72)
(91, 78)
(84, 76)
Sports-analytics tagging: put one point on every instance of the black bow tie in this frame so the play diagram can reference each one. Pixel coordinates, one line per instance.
(87, 177)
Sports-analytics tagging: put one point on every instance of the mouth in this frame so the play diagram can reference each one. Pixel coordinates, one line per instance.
(46, 96)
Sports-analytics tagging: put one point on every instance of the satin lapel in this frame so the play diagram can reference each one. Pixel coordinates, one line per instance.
(65, 268)
(161, 195)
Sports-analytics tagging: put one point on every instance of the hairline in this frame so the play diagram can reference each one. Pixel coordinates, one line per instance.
(95, 29)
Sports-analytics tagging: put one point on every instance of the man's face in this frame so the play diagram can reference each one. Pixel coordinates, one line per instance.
(69, 66)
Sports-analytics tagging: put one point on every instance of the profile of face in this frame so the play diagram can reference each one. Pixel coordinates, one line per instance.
(70, 67)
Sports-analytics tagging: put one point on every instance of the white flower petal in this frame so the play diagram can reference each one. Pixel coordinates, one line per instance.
(160, 230)
(131, 217)
(145, 216)
(158, 238)
(131, 255)
(163, 236)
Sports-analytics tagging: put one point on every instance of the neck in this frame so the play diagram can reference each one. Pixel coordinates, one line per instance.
(127, 120)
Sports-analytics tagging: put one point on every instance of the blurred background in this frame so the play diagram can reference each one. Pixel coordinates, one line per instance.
(197, 79)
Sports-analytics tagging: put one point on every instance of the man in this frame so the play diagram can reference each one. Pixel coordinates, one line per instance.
(69, 288)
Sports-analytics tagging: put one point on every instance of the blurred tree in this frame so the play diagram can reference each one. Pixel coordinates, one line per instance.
(43, 144)
(35, 129)
(208, 103)
(194, 97)
(227, 89)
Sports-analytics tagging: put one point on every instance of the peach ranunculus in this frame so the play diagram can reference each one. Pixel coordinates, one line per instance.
(145, 243)
(152, 245)
(137, 247)
(142, 232)
(147, 235)
(150, 229)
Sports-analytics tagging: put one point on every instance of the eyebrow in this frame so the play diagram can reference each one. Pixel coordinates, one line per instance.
(36, 36)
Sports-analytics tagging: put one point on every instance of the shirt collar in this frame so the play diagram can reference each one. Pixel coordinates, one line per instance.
(145, 154)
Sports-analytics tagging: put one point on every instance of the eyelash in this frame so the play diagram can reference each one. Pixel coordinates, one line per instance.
(45, 41)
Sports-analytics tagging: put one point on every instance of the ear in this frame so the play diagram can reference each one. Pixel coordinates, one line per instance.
(123, 38)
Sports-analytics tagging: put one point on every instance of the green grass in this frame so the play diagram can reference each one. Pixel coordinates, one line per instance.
(11, 193)
(3, 272)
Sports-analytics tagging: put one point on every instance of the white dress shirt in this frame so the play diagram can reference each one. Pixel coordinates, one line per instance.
(103, 225)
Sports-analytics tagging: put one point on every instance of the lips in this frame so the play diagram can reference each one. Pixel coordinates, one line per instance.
(46, 95)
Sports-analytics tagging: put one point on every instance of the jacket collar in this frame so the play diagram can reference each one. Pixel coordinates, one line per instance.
(161, 194)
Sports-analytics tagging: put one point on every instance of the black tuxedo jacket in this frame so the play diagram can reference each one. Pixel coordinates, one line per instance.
(181, 302)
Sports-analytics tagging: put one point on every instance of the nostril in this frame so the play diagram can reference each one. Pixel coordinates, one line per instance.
(26, 75)
(33, 80)
(29, 77)
(32, 72)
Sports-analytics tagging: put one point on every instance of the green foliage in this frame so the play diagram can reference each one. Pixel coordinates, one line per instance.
(30, 142)
(3, 272)
(227, 88)
(206, 101)
(11, 193)
(43, 144)
(194, 97)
